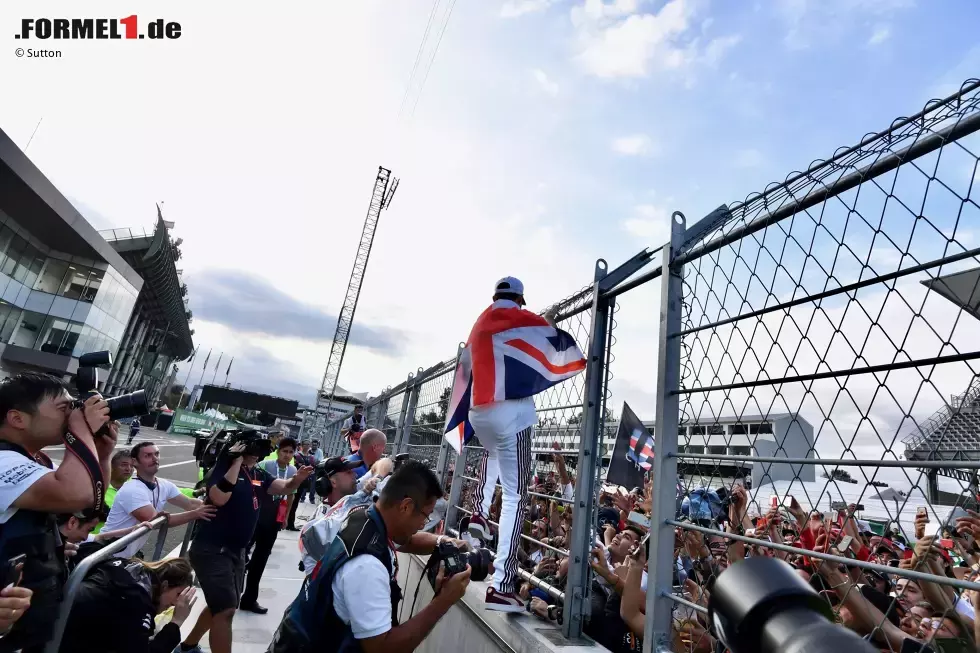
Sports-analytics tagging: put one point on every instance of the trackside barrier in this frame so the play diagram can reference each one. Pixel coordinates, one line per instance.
(85, 566)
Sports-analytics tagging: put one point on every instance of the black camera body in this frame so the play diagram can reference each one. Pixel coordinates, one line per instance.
(452, 557)
(455, 562)
(217, 448)
(87, 380)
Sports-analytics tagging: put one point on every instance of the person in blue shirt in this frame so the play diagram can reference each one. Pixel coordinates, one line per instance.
(372, 449)
(237, 487)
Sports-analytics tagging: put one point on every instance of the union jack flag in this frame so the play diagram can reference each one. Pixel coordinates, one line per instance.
(510, 354)
(641, 449)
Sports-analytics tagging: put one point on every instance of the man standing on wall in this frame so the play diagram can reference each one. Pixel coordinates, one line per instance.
(510, 356)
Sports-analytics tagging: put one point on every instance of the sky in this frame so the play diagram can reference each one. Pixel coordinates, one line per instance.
(545, 134)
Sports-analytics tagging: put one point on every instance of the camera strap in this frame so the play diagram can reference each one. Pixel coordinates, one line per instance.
(92, 466)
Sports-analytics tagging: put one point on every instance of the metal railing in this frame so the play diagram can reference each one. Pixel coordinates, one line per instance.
(941, 417)
(78, 575)
(126, 233)
(808, 306)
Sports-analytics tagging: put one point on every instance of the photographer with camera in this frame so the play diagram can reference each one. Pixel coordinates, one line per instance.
(117, 604)
(354, 427)
(37, 411)
(350, 603)
(217, 554)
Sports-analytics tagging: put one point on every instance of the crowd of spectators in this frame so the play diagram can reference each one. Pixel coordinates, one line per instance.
(892, 612)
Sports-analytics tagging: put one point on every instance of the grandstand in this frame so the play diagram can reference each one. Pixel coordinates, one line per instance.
(951, 434)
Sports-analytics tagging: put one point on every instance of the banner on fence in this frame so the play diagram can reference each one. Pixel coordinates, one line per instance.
(187, 422)
(633, 454)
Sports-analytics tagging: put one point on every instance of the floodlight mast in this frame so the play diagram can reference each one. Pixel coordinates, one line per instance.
(384, 189)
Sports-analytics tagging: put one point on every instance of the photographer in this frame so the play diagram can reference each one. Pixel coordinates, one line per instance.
(117, 603)
(273, 510)
(218, 551)
(353, 428)
(36, 411)
(350, 603)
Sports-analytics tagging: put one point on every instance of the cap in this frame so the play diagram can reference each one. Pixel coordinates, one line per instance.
(333, 465)
(509, 284)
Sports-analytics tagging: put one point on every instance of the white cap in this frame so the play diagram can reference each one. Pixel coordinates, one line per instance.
(510, 285)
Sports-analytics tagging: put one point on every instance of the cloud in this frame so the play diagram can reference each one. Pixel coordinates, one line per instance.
(826, 22)
(649, 223)
(547, 85)
(879, 35)
(248, 304)
(719, 47)
(257, 369)
(633, 145)
(617, 42)
(749, 158)
(517, 8)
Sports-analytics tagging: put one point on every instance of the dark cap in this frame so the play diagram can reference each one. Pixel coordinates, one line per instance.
(331, 466)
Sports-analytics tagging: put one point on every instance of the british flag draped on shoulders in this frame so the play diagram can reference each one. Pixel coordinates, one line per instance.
(511, 355)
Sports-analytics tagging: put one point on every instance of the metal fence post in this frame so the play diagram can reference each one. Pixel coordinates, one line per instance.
(400, 427)
(444, 448)
(456, 489)
(578, 604)
(408, 415)
(660, 571)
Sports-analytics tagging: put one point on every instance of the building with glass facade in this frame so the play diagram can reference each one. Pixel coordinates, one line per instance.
(64, 290)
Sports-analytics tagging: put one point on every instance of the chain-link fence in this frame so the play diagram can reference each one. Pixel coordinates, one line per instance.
(816, 400)
(808, 337)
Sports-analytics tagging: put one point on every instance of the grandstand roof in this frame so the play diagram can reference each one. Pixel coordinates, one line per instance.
(961, 288)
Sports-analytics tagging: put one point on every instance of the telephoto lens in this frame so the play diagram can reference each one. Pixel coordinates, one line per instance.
(761, 605)
(127, 406)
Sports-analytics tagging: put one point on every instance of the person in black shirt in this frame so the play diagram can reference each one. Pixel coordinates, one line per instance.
(218, 551)
(117, 603)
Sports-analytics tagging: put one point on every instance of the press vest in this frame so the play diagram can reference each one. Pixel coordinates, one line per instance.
(311, 624)
(36, 535)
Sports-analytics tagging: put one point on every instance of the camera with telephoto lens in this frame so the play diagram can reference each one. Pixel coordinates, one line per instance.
(761, 605)
(87, 381)
(455, 562)
(218, 447)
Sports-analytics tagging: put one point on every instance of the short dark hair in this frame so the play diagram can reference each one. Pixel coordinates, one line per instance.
(636, 531)
(119, 455)
(412, 480)
(511, 296)
(26, 391)
(135, 452)
(287, 442)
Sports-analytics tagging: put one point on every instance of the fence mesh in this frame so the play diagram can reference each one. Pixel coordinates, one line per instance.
(828, 401)
(829, 319)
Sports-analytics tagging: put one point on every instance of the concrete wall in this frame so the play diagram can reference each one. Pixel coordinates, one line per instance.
(468, 627)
